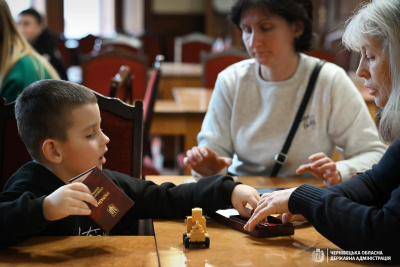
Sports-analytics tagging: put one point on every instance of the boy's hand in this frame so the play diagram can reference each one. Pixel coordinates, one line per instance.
(323, 168)
(68, 200)
(270, 203)
(243, 195)
(205, 161)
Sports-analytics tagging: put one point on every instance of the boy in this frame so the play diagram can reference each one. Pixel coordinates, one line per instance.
(59, 123)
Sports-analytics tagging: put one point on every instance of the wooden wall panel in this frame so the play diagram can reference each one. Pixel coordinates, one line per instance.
(55, 15)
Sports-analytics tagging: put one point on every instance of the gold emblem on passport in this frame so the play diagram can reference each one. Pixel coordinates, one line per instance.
(112, 209)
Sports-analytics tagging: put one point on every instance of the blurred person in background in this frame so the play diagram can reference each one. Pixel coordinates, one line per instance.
(32, 27)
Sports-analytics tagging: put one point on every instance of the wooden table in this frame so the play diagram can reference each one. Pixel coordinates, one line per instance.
(83, 251)
(178, 74)
(182, 116)
(230, 247)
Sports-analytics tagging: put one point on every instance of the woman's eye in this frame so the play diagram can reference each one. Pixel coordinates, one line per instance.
(370, 58)
(265, 29)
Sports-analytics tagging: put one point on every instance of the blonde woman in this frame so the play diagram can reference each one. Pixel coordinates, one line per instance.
(20, 65)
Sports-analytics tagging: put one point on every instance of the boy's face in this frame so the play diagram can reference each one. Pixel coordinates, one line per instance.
(86, 144)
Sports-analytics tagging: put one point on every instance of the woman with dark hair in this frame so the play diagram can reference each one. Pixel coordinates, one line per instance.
(255, 102)
(362, 214)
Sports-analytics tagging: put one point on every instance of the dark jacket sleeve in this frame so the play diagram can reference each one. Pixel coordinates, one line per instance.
(169, 201)
(20, 217)
(375, 186)
(360, 214)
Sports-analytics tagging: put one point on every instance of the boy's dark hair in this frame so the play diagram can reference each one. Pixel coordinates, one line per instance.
(43, 110)
(32, 12)
(290, 10)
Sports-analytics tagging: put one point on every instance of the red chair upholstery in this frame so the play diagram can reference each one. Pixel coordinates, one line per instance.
(187, 48)
(123, 124)
(13, 153)
(66, 54)
(214, 63)
(86, 44)
(151, 45)
(98, 70)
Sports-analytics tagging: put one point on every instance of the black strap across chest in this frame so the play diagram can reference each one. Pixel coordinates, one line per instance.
(281, 158)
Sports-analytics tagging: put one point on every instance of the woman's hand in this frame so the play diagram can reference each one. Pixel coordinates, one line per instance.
(323, 168)
(205, 161)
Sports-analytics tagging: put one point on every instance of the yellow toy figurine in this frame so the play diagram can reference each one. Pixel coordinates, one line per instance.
(196, 231)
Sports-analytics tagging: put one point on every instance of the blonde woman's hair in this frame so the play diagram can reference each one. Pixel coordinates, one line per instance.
(380, 19)
(14, 46)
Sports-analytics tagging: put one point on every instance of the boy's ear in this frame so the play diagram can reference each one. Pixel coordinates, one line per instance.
(51, 151)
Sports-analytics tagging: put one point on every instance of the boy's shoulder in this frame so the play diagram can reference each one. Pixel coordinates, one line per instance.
(35, 178)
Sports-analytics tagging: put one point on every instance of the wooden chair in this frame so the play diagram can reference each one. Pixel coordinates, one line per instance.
(124, 40)
(151, 45)
(13, 153)
(123, 124)
(148, 104)
(214, 63)
(123, 47)
(151, 94)
(121, 84)
(187, 48)
(87, 43)
(98, 70)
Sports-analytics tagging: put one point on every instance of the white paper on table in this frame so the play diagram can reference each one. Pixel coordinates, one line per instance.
(228, 212)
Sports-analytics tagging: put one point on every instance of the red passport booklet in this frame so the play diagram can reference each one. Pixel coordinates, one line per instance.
(112, 203)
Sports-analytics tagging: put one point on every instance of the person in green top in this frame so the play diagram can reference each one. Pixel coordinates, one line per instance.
(20, 65)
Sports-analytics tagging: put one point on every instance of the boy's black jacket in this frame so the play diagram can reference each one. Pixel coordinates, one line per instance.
(21, 203)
